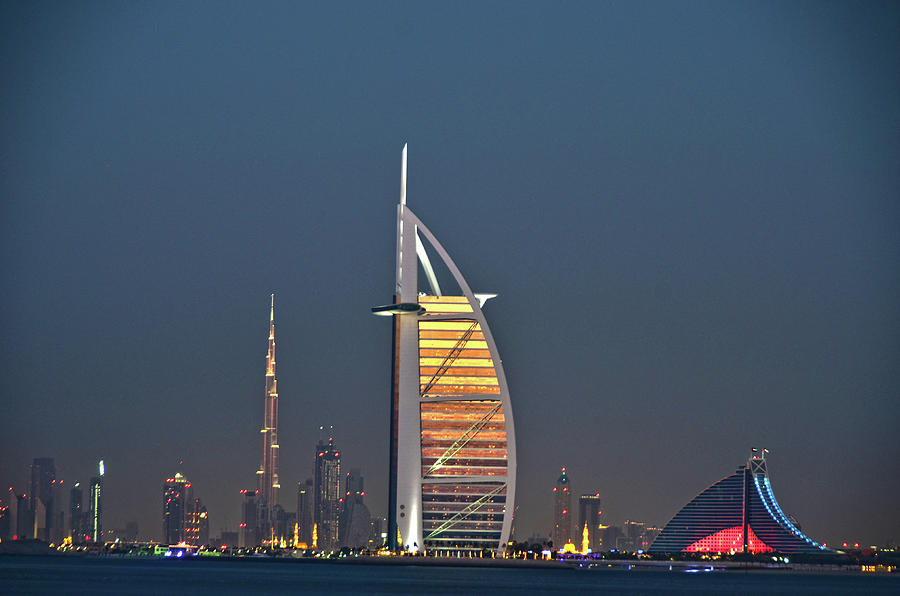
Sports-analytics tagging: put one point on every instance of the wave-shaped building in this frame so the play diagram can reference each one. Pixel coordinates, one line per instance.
(738, 514)
(453, 456)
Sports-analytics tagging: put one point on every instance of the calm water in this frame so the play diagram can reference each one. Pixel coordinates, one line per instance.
(65, 575)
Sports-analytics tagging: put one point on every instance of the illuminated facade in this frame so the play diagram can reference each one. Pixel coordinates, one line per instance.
(589, 512)
(96, 506)
(736, 514)
(562, 512)
(267, 475)
(328, 494)
(176, 496)
(196, 523)
(452, 459)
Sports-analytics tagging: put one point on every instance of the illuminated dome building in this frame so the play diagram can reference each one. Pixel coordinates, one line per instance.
(736, 514)
(453, 458)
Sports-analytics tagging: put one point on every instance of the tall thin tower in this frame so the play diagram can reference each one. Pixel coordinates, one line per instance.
(268, 471)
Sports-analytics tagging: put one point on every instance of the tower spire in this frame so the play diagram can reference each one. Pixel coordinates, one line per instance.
(403, 177)
(268, 472)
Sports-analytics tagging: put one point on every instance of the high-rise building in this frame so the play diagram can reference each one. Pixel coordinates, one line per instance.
(176, 497)
(589, 512)
(267, 475)
(196, 523)
(562, 512)
(96, 506)
(24, 517)
(76, 519)
(40, 499)
(248, 531)
(328, 495)
(5, 521)
(634, 531)
(355, 519)
(452, 454)
(305, 504)
(737, 514)
(283, 523)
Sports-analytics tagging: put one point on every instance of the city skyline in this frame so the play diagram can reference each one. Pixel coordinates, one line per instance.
(688, 213)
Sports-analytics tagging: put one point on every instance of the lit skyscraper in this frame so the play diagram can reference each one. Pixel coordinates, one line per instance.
(355, 520)
(176, 495)
(96, 504)
(5, 520)
(248, 534)
(562, 512)
(196, 522)
(589, 517)
(452, 458)
(268, 484)
(328, 495)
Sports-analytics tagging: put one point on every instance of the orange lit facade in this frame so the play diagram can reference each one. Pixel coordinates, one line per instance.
(460, 438)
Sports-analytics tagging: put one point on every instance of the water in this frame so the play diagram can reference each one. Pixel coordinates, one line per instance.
(70, 575)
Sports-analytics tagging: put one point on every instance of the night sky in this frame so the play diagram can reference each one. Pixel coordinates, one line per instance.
(690, 211)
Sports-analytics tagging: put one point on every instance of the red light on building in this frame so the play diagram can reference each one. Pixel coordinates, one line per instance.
(729, 540)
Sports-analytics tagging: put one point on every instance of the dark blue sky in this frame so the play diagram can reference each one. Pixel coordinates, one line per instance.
(689, 210)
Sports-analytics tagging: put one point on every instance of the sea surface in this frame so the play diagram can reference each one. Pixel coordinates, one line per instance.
(106, 575)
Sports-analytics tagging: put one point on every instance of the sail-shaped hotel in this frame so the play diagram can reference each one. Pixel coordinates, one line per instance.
(453, 456)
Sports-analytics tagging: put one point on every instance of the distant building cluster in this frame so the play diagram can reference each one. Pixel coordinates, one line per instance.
(41, 512)
(587, 533)
(185, 518)
(452, 468)
(331, 512)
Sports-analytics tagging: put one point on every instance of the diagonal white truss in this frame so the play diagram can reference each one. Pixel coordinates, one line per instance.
(469, 510)
(464, 439)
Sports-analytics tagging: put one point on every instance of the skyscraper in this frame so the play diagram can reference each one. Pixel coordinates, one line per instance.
(5, 520)
(76, 521)
(355, 519)
(196, 522)
(248, 532)
(589, 517)
(24, 517)
(562, 512)
(96, 504)
(40, 498)
(452, 457)
(305, 517)
(328, 495)
(176, 496)
(267, 474)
